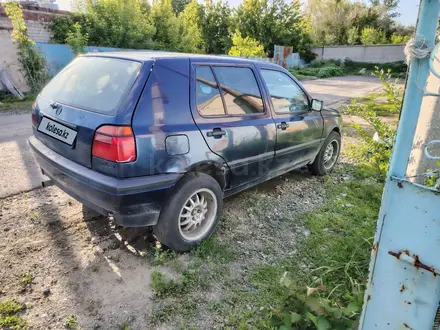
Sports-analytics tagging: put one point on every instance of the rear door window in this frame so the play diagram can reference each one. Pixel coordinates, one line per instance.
(209, 101)
(240, 90)
(97, 84)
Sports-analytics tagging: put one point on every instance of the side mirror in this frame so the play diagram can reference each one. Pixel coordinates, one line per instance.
(317, 105)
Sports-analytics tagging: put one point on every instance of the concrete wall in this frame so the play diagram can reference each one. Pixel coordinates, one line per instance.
(9, 61)
(360, 53)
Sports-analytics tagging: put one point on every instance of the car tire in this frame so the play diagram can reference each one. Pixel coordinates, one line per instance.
(328, 156)
(191, 214)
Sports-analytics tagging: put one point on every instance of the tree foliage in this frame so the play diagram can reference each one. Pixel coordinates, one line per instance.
(216, 22)
(116, 23)
(335, 21)
(246, 46)
(76, 40)
(192, 41)
(167, 26)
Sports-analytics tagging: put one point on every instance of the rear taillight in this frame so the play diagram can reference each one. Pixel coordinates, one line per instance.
(34, 115)
(114, 143)
(34, 119)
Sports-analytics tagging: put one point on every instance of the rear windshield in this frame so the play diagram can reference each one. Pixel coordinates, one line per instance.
(97, 84)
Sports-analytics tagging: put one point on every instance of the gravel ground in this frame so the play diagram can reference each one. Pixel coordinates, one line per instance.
(82, 267)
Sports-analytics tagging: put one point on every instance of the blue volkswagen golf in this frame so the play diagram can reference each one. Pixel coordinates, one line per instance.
(159, 140)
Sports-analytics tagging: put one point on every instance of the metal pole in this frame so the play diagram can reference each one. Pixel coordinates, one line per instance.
(427, 27)
(403, 289)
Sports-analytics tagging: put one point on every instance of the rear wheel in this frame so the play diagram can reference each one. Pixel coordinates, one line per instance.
(191, 214)
(328, 156)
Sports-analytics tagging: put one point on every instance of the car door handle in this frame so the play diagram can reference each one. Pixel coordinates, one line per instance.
(283, 125)
(216, 133)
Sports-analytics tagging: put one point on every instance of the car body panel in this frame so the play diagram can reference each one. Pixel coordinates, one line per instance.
(85, 122)
(248, 145)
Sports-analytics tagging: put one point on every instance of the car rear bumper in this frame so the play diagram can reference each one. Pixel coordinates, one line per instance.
(133, 202)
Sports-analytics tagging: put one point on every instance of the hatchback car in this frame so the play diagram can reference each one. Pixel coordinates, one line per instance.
(159, 140)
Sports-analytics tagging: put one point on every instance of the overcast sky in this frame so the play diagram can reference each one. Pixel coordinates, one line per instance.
(408, 9)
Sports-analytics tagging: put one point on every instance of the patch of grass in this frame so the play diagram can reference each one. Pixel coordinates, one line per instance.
(212, 249)
(335, 256)
(71, 322)
(124, 326)
(161, 256)
(35, 216)
(26, 279)
(9, 315)
(162, 285)
(9, 103)
(338, 249)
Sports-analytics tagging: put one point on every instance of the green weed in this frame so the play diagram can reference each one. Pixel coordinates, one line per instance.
(212, 249)
(162, 285)
(71, 322)
(35, 216)
(26, 279)
(124, 326)
(161, 256)
(9, 316)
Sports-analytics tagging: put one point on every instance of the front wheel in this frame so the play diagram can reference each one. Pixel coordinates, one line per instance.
(327, 157)
(191, 214)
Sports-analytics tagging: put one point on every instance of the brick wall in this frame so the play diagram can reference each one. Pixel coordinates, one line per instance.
(37, 20)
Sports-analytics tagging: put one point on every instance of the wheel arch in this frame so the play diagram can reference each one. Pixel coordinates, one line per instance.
(213, 169)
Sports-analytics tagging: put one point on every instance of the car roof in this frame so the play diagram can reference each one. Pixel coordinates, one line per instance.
(145, 56)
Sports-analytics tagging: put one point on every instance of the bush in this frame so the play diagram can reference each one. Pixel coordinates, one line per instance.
(331, 71)
(33, 63)
(353, 36)
(392, 92)
(246, 47)
(370, 36)
(374, 150)
(76, 40)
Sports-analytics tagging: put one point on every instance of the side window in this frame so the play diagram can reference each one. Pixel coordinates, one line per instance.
(286, 95)
(209, 101)
(240, 90)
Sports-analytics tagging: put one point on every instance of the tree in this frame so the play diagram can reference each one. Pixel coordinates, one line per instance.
(274, 23)
(352, 36)
(115, 23)
(168, 26)
(332, 20)
(179, 5)
(216, 21)
(192, 41)
(369, 36)
(246, 47)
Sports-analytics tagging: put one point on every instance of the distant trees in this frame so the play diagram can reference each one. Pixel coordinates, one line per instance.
(189, 26)
(209, 27)
(352, 22)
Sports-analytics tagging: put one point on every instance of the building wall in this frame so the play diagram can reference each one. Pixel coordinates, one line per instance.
(360, 53)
